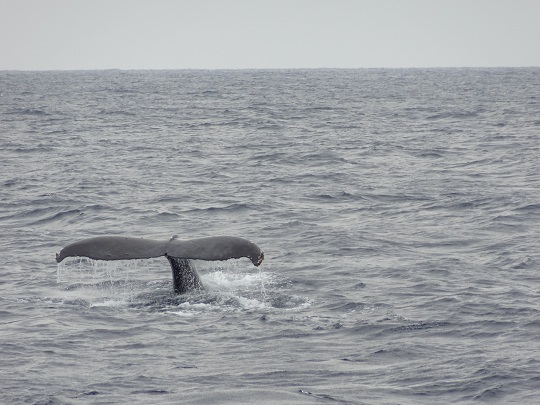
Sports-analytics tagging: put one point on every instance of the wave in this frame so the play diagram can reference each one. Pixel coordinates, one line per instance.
(28, 111)
(225, 208)
(339, 196)
(453, 114)
(49, 215)
(40, 148)
(117, 112)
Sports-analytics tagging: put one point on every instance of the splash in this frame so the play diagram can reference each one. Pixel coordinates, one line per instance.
(147, 283)
(102, 283)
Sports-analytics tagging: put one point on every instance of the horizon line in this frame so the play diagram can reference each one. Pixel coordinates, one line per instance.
(273, 68)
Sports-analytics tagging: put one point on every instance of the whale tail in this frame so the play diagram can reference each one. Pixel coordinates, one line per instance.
(179, 253)
(185, 277)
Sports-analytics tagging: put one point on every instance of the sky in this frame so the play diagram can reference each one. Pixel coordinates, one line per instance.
(267, 34)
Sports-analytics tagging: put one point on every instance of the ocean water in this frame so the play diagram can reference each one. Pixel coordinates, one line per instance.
(399, 212)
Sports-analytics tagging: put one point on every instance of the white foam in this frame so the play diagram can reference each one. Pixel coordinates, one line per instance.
(247, 303)
(229, 286)
(109, 303)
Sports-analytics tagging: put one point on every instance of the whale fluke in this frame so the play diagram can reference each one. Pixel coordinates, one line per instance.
(178, 252)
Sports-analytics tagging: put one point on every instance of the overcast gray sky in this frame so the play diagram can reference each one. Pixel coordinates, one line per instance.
(180, 34)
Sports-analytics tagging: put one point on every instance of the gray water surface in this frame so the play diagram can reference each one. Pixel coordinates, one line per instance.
(399, 212)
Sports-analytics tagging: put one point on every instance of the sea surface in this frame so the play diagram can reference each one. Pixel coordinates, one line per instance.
(398, 209)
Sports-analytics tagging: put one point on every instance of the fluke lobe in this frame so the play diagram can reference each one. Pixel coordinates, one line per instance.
(178, 252)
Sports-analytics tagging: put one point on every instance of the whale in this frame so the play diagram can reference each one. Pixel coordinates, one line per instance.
(179, 253)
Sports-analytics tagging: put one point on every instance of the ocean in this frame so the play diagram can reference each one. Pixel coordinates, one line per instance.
(398, 209)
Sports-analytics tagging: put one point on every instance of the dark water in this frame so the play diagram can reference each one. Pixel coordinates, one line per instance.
(399, 212)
